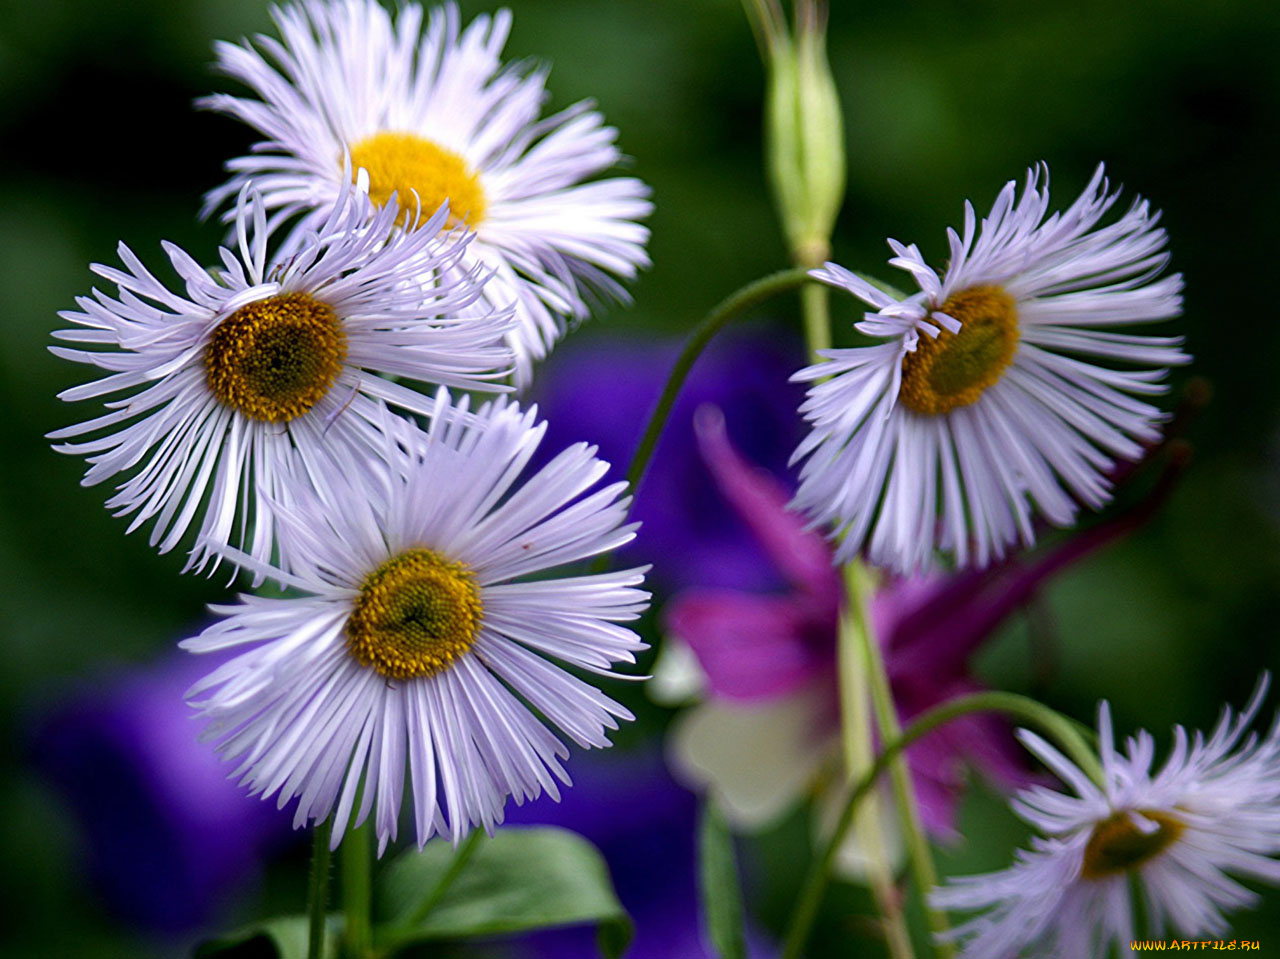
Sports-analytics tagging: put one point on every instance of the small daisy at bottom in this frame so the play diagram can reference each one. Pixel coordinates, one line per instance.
(1211, 810)
(417, 640)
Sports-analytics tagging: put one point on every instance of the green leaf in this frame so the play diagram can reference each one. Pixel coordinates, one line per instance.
(718, 879)
(521, 879)
(286, 935)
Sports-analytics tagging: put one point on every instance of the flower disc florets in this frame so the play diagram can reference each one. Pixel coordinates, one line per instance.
(408, 165)
(953, 369)
(416, 614)
(274, 359)
(1125, 840)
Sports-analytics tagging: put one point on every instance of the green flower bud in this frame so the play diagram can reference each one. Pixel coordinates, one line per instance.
(804, 132)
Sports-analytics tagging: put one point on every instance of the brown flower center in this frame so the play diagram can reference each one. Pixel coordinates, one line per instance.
(1117, 845)
(416, 614)
(274, 359)
(953, 369)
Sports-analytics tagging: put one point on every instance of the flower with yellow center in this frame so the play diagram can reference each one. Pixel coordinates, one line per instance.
(223, 380)
(1173, 834)
(999, 391)
(425, 110)
(428, 628)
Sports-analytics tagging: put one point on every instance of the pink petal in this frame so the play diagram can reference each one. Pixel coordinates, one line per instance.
(751, 647)
(801, 555)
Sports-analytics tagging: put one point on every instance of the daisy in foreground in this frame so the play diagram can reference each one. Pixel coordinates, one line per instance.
(224, 380)
(993, 390)
(418, 640)
(1212, 809)
(436, 114)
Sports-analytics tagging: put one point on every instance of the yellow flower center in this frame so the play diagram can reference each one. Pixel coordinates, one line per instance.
(274, 359)
(416, 614)
(1117, 845)
(405, 163)
(953, 369)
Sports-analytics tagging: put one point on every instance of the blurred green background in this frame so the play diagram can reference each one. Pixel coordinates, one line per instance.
(943, 101)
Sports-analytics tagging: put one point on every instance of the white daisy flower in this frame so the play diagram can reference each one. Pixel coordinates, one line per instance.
(420, 639)
(222, 380)
(1212, 809)
(437, 114)
(988, 395)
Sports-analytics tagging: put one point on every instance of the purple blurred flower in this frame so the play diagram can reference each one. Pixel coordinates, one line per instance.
(602, 391)
(769, 660)
(168, 836)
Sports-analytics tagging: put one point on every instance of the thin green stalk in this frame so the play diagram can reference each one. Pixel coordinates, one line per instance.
(357, 892)
(815, 305)
(391, 940)
(1058, 727)
(857, 749)
(736, 304)
(318, 888)
(460, 860)
(859, 585)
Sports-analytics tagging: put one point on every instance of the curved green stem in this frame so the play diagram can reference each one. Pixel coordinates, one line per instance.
(736, 304)
(460, 860)
(318, 888)
(1058, 727)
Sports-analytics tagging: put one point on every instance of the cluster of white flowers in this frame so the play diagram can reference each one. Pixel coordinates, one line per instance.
(440, 233)
(288, 410)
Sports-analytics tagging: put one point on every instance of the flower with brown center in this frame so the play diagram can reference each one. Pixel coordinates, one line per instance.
(999, 391)
(1173, 836)
(224, 380)
(426, 640)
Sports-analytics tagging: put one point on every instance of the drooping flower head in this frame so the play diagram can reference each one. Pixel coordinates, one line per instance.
(994, 393)
(219, 383)
(436, 114)
(1212, 811)
(418, 641)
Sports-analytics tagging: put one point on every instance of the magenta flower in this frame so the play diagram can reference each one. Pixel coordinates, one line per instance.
(769, 727)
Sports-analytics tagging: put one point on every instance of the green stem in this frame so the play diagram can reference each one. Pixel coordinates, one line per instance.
(857, 746)
(859, 585)
(318, 888)
(750, 296)
(460, 859)
(1054, 724)
(357, 892)
(747, 298)
(815, 304)
(405, 931)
